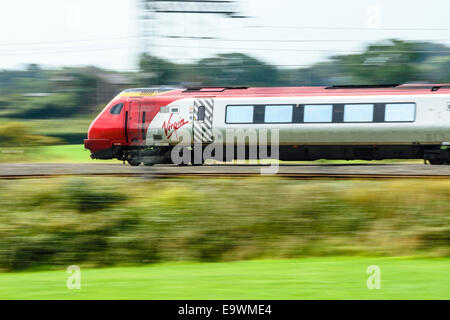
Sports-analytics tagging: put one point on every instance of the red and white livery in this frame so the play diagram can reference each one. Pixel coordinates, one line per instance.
(338, 122)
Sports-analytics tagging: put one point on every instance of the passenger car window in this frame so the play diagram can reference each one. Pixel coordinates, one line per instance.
(318, 113)
(403, 112)
(239, 114)
(358, 112)
(278, 113)
(117, 109)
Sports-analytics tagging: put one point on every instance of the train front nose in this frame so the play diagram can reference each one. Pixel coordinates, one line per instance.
(106, 133)
(99, 145)
(101, 136)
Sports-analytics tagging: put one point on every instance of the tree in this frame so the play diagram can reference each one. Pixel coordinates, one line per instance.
(236, 69)
(436, 69)
(393, 61)
(154, 70)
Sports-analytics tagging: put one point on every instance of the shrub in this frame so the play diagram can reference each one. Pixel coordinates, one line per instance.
(106, 221)
(17, 134)
(53, 106)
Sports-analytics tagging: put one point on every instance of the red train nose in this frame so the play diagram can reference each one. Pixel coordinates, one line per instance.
(97, 143)
(106, 133)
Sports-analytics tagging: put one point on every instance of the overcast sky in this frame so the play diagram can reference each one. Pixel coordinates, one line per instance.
(108, 33)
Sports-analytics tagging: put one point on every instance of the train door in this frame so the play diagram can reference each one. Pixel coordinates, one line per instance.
(133, 128)
(203, 119)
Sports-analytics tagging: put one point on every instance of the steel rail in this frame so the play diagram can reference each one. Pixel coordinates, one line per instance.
(290, 175)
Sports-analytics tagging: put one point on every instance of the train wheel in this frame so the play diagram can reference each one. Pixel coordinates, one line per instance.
(134, 162)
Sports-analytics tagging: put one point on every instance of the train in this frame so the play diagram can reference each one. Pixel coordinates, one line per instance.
(348, 122)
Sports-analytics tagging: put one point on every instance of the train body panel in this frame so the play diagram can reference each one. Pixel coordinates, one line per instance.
(171, 123)
(431, 124)
(310, 123)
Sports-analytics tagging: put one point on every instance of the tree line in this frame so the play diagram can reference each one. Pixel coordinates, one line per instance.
(38, 93)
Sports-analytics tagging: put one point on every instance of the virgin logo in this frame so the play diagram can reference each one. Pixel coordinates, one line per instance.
(173, 126)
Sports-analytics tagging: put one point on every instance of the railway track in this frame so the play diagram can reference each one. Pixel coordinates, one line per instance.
(365, 171)
(290, 176)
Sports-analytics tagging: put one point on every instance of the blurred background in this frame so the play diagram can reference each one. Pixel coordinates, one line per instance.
(61, 61)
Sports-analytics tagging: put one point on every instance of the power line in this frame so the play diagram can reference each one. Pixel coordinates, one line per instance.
(66, 51)
(68, 41)
(290, 40)
(351, 28)
(310, 50)
(77, 49)
(209, 38)
(41, 43)
(251, 40)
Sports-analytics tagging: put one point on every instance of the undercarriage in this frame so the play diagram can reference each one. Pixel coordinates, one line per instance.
(197, 155)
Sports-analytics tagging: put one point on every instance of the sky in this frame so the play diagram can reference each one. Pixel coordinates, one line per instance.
(286, 33)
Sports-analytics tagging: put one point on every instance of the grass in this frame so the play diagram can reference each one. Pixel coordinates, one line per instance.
(60, 126)
(73, 153)
(67, 130)
(64, 153)
(288, 239)
(111, 221)
(308, 278)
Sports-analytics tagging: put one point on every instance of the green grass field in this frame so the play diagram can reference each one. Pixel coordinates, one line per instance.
(76, 153)
(308, 278)
(73, 153)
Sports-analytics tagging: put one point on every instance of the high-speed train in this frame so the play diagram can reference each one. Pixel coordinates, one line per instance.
(144, 125)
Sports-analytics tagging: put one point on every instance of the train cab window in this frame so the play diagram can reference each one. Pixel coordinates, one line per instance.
(239, 114)
(400, 112)
(164, 109)
(318, 113)
(117, 109)
(358, 112)
(278, 113)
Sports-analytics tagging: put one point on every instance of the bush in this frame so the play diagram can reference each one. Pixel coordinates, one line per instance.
(107, 221)
(84, 198)
(17, 134)
(53, 106)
